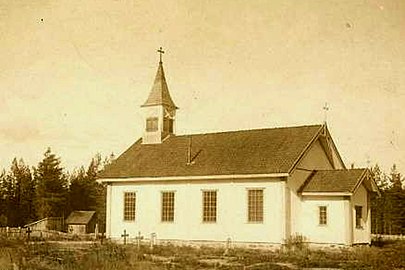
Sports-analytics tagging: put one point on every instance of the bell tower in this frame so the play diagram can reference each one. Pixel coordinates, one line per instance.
(159, 109)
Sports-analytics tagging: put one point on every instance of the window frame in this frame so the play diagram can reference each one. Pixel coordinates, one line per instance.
(168, 124)
(249, 216)
(152, 124)
(209, 218)
(125, 210)
(170, 216)
(358, 219)
(322, 220)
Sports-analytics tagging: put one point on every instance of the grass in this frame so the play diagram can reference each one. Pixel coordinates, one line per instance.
(17, 254)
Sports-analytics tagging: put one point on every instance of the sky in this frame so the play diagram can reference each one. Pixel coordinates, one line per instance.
(74, 73)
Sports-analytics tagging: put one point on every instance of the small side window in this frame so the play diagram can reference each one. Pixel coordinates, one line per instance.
(359, 216)
(323, 215)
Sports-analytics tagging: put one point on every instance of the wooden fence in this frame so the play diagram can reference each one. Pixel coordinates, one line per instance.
(51, 235)
(13, 233)
(49, 223)
(388, 236)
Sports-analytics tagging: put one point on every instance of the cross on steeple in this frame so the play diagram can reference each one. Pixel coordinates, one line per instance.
(325, 109)
(160, 51)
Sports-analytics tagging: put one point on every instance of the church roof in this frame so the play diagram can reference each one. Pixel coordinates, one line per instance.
(259, 151)
(159, 95)
(334, 180)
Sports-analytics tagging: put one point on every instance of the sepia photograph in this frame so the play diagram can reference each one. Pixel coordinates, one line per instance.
(201, 134)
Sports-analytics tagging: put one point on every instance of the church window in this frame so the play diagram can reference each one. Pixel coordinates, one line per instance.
(168, 206)
(209, 206)
(168, 125)
(129, 206)
(359, 216)
(255, 205)
(152, 124)
(323, 215)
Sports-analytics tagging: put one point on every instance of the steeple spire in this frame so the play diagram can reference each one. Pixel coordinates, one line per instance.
(159, 109)
(159, 95)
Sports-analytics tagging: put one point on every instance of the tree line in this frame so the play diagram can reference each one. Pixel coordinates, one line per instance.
(47, 190)
(388, 209)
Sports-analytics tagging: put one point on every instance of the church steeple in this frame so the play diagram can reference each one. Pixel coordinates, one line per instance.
(159, 95)
(159, 108)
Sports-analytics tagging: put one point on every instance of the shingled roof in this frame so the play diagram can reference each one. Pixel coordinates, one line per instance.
(80, 217)
(257, 151)
(159, 95)
(334, 181)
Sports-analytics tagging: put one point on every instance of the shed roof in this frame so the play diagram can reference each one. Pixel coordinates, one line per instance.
(259, 151)
(80, 217)
(334, 180)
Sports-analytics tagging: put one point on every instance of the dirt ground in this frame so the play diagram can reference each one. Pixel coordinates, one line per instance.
(18, 255)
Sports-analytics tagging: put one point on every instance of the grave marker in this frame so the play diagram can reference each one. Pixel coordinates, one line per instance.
(125, 235)
(152, 240)
(138, 240)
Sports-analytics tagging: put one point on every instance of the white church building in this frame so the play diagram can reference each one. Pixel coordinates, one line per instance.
(257, 186)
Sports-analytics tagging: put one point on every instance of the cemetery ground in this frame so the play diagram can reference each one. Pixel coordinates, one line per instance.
(44, 255)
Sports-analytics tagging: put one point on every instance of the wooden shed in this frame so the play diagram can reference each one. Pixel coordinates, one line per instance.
(81, 222)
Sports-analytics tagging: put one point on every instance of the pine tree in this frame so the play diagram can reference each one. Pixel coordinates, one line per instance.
(102, 191)
(91, 177)
(377, 203)
(388, 210)
(52, 188)
(24, 192)
(9, 197)
(396, 202)
(82, 191)
(85, 193)
(17, 194)
(4, 200)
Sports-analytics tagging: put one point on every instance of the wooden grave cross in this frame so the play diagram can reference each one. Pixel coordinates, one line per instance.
(29, 231)
(228, 245)
(125, 235)
(138, 240)
(152, 240)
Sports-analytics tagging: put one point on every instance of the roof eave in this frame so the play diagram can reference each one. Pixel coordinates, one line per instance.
(191, 178)
(146, 104)
(326, 193)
